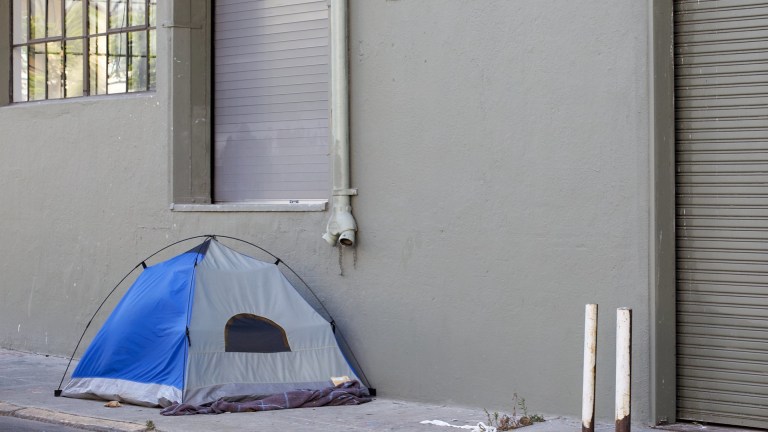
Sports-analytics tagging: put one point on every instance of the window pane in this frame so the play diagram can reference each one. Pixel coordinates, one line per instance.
(37, 19)
(97, 62)
(55, 80)
(137, 69)
(118, 13)
(37, 72)
(153, 13)
(74, 68)
(54, 18)
(137, 14)
(152, 60)
(20, 74)
(20, 21)
(116, 63)
(97, 16)
(74, 17)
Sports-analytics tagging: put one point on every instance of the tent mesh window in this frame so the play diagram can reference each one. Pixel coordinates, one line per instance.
(253, 333)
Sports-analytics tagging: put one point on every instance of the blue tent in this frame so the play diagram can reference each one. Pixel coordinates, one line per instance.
(210, 323)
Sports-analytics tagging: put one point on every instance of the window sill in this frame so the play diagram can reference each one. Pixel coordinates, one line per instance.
(265, 206)
(82, 99)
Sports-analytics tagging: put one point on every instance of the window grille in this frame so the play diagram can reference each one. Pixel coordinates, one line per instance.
(72, 48)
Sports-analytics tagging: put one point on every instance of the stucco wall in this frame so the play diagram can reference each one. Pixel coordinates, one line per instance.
(500, 149)
(501, 153)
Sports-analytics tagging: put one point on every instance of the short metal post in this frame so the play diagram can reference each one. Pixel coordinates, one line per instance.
(590, 369)
(623, 369)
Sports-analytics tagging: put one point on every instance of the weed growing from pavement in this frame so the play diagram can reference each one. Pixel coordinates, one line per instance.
(504, 422)
(150, 426)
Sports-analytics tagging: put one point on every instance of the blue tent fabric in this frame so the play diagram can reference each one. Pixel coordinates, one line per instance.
(148, 324)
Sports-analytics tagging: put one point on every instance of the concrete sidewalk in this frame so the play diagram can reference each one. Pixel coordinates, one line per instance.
(27, 382)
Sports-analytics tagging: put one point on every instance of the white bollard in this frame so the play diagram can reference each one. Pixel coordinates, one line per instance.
(590, 369)
(623, 369)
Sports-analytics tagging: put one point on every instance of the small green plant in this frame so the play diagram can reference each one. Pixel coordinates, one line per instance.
(521, 404)
(504, 422)
(150, 426)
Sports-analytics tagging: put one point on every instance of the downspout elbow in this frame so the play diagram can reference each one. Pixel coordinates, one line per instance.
(341, 226)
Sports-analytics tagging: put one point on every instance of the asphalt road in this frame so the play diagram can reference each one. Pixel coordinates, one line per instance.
(13, 424)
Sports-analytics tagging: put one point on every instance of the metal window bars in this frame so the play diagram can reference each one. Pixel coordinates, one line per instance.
(71, 48)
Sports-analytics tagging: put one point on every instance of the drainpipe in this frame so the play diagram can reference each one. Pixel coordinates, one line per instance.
(341, 225)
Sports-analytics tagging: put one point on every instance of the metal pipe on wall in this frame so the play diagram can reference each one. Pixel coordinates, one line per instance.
(341, 226)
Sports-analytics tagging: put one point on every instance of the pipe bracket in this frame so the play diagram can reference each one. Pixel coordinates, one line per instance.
(344, 192)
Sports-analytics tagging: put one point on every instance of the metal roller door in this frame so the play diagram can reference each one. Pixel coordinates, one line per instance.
(271, 89)
(721, 99)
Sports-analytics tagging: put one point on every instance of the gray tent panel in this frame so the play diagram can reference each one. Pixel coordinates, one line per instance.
(229, 284)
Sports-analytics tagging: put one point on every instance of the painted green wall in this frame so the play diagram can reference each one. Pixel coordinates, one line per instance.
(501, 152)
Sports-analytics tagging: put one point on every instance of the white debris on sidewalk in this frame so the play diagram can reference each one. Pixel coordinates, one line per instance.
(481, 427)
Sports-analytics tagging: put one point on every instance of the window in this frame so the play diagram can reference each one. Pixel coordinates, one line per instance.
(253, 333)
(271, 108)
(250, 118)
(72, 48)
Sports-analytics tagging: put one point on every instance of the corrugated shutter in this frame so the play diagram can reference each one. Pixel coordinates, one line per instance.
(271, 93)
(721, 58)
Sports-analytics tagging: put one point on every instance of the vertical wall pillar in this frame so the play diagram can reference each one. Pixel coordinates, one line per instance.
(661, 274)
(187, 26)
(5, 53)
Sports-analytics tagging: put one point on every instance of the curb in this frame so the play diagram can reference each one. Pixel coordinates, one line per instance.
(72, 420)
(7, 409)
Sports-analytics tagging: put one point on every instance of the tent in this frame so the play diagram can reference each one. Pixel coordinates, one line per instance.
(209, 324)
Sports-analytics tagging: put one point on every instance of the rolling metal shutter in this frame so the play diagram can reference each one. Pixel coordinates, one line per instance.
(271, 89)
(721, 61)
